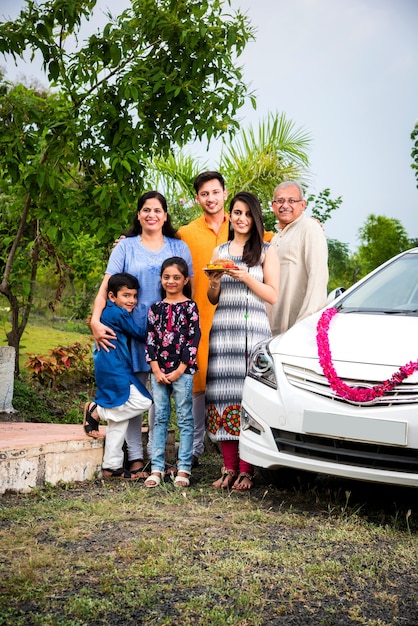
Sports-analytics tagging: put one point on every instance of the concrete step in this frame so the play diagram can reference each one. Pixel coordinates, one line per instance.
(34, 455)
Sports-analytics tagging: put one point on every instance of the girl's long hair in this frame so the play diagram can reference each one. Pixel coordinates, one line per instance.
(168, 229)
(254, 246)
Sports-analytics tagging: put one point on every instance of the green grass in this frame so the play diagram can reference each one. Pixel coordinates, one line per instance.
(309, 551)
(39, 339)
(117, 553)
(42, 404)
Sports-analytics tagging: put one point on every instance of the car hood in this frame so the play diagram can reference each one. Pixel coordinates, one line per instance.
(356, 338)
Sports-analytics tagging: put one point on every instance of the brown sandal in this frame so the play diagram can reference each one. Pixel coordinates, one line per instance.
(238, 484)
(139, 472)
(120, 473)
(90, 424)
(226, 480)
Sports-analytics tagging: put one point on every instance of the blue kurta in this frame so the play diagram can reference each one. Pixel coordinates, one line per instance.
(113, 369)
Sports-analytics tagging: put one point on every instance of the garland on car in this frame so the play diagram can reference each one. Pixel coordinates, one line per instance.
(355, 394)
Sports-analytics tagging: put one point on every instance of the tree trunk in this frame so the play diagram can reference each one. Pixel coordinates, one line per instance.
(7, 366)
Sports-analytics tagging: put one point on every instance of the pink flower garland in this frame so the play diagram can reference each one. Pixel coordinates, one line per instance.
(356, 394)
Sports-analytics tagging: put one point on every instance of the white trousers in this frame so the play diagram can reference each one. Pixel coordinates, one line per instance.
(134, 433)
(118, 420)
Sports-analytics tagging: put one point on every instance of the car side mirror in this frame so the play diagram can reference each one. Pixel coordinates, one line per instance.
(334, 294)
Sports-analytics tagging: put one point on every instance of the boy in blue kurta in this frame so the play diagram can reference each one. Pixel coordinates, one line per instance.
(120, 396)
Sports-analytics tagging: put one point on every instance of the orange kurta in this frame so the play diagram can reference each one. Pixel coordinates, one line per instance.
(202, 240)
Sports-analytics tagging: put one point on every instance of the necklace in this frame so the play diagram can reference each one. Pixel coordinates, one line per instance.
(356, 394)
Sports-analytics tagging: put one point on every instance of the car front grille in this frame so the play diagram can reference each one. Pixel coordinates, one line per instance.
(308, 380)
(390, 458)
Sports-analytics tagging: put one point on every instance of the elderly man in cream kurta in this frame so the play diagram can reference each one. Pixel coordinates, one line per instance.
(302, 248)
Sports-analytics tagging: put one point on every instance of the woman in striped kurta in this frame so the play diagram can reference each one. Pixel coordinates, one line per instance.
(239, 323)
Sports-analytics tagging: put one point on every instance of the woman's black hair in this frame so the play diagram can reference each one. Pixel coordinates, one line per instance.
(182, 266)
(168, 229)
(254, 246)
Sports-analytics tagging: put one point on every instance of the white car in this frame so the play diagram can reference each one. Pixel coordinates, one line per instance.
(355, 413)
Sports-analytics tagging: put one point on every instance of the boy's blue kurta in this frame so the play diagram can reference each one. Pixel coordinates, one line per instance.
(113, 369)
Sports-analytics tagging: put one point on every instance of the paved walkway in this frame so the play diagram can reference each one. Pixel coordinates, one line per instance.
(34, 455)
(18, 434)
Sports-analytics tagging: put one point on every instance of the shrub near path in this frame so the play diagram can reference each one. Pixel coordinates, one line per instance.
(310, 551)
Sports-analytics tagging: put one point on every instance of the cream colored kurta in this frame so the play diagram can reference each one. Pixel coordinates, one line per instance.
(303, 254)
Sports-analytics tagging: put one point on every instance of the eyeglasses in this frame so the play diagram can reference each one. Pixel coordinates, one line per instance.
(282, 201)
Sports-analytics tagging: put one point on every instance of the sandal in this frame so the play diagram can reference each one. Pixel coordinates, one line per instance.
(91, 425)
(226, 480)
(171, 470)
(154, 479)
(244, 482)
(182, 481)
(139, 472)
(118, 473)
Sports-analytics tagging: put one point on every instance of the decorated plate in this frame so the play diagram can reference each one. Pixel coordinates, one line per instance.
(212, 267)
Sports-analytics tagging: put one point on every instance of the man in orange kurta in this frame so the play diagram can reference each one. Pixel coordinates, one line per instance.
(203, 235)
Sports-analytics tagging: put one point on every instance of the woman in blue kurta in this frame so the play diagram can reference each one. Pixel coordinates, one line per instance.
(151, 240)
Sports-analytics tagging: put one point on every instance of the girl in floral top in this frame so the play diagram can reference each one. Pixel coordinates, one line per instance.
(173, 335)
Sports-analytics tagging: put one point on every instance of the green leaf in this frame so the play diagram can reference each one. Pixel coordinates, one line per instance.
(42, 31)
(53, 70)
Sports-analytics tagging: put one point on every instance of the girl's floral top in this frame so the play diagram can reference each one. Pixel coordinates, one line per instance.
(173, 335)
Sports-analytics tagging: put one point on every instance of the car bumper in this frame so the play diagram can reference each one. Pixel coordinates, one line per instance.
(381, 436)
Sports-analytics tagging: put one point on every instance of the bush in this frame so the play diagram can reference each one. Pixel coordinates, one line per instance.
(35, 403)
(65, 365)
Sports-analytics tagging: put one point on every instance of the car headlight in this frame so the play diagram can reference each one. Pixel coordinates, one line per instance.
(249, 423)
(261, 366)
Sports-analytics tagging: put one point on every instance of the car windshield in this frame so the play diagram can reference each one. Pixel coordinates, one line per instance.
(392, 290)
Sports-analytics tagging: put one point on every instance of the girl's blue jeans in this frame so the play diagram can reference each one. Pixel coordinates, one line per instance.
(182, 391)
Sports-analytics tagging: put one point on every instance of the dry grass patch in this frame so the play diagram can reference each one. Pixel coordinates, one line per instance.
(116, 553)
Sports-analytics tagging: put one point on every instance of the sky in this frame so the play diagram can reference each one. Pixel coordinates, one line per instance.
(346, 73)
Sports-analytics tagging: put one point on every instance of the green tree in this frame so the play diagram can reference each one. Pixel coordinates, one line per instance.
(257, 160)
(260, 158)
(174, 176)
(381, 238)
(344, 267)
(72, 160)
(322, 205)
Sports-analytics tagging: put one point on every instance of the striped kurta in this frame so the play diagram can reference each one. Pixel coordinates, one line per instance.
(239, 323)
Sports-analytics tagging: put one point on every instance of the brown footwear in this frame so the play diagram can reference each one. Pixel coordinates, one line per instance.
(244, 482)
(138, 472)
(226, 480)
(91, 424)
(118, 473)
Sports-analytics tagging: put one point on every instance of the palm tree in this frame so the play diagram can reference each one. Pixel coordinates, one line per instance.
(174, 176)
(261, 159)
(257, 161)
